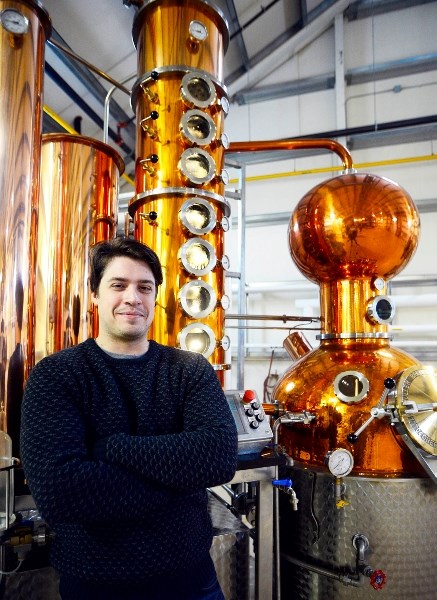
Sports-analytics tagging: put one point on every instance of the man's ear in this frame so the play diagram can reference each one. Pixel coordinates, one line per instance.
(94, 298)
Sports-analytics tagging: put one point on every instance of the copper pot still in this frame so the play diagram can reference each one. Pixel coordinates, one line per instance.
(351, 235)
(179, 207)
(21, 79)
(78, 208)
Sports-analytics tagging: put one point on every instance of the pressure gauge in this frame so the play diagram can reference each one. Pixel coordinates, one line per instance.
(224, 224)
(225, 342)
(224, 140)
(379, 284)
(340, 462)
(224, 103)
(14, 21)
(225, 302)
(198, 31)
(225, 262)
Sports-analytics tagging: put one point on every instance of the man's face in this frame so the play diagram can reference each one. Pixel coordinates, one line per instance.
(125, 300)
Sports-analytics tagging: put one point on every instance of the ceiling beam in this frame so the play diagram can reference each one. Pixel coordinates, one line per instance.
(288, 49)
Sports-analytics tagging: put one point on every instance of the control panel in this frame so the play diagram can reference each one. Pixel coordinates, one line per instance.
(253, 426)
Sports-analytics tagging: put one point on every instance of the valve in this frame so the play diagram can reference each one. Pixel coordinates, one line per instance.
(376, 576)
(152, 96)
(150, 217)
(377, 412)
(153, 115)
(153, 158)
(378, 579)
(285, 485)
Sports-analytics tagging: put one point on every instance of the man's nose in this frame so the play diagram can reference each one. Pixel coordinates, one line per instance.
(132, 295)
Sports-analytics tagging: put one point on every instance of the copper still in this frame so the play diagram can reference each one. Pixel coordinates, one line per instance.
(179, 207)
(351, 235)
(78, 208)
(26, 26)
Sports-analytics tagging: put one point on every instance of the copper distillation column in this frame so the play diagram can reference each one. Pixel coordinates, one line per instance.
(24, 28)
(179, 207)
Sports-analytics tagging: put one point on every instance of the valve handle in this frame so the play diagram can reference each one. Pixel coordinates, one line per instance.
(282, 483)
(375, 413)
(378, 579)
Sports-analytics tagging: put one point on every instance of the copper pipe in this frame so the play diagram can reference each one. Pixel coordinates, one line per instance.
(294, 144)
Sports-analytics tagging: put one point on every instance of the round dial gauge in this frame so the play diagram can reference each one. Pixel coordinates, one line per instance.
(224, 103)
(379, 284)
(198, 31)
(14, 21)
(225, 262)
(225, 302)
(340, 462)
(224, 223)
(224, 140)
(225, 342)
(416, 403)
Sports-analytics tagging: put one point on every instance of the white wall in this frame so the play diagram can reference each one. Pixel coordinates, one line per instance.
(389, 37)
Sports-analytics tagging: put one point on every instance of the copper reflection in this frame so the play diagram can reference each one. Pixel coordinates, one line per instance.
(79, 186)
(21, 77)
(350, 234)
(354, 226)
(308, 385)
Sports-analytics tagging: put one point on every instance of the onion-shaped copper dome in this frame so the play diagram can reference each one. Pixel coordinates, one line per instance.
(353, 226)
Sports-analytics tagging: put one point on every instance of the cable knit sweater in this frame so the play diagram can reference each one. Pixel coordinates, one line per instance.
(118, 453)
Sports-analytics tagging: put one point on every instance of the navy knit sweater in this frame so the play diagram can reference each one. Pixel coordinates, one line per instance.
(118, 453)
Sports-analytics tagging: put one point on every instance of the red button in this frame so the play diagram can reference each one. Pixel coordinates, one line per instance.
(249, 395)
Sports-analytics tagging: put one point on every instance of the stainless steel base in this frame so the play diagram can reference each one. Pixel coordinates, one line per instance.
(397, 516)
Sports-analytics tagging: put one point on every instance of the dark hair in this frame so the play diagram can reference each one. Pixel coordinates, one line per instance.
(102, 253)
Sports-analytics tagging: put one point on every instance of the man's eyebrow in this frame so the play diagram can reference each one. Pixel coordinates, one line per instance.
(125, 279)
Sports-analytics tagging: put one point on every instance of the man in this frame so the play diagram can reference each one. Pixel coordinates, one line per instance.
(120, 437)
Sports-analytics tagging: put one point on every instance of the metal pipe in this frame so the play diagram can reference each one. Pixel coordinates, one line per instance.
(89, 65)
(233, 510)
(85, 107)
(106, 110)
(345, 579)
(283, 318)
(295, 144)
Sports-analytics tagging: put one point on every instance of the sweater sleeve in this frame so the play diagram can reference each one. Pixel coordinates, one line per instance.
(204, 454)
(66, 484)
